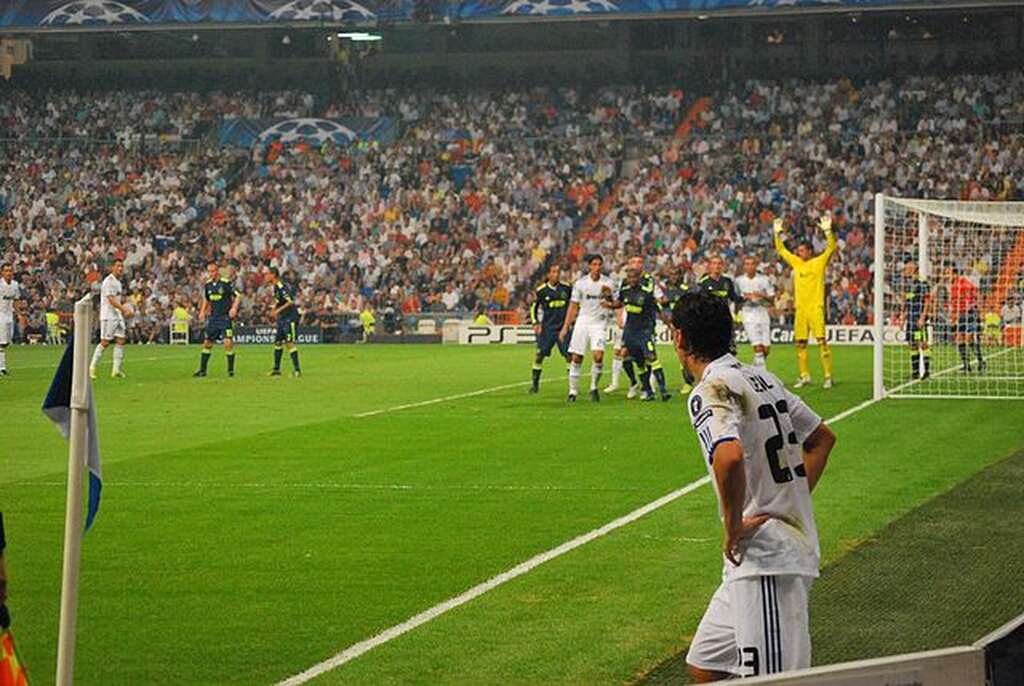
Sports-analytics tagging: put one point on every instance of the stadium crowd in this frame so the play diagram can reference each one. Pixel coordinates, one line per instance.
(481, 190)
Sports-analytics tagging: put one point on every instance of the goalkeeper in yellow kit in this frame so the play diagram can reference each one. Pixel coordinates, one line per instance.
(809, 286)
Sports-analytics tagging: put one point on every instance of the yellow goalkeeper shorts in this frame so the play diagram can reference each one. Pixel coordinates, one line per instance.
(809, 322)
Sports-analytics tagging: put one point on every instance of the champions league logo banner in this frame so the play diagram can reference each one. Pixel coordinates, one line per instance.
(125, 14)
(246, 133)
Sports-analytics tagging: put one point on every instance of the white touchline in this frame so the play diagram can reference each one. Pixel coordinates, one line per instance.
(363, 647)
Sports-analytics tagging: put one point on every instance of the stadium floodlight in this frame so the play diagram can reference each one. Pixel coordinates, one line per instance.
(352, 35)
(949, 289)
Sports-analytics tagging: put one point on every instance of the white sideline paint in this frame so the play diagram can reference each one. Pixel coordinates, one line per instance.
(447, 398)
(363, 647)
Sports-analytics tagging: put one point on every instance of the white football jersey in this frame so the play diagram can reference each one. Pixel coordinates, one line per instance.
(758, 284)
(111, 287)
(589, 294)
(734, 401)
(9, 292)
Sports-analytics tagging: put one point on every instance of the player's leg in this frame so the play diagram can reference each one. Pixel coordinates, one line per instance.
(975, 325)
(545, 342)
(598, 342)
(824, 350)
(280, 336)
(618, 363)
(6, 334)
(97, 354)
(712, 655)
(657, 369)
(960, 337)
(293, 347)
(117, 372)
(577, 349)
(759, 333)
(801, 332)
(772, 627)
(210, 336)
(229, 350)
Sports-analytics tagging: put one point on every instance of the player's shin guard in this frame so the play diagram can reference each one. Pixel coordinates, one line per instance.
(537, 369)
(802, 363)
(294, 354)
(118, 357)
(616, 371)
(627, 366)
(231, 362)
(915, 365)
(575, 370)
(204, 360)
(278, 354)
(96, 355)
(595, 374)
(826, 359)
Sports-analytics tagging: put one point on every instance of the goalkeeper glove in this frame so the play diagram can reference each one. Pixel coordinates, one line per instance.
(737, 317)
(777, 225)
(826, 224)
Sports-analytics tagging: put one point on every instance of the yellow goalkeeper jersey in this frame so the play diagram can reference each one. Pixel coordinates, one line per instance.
(808, 275)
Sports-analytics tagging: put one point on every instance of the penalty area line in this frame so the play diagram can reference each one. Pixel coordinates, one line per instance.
(357, 649)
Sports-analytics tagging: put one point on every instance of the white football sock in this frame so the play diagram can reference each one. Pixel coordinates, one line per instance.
(616, 371)
(758, 359)
(3, 357)
(595, 374)
(575, 369)
(96, 356)
(118, 357)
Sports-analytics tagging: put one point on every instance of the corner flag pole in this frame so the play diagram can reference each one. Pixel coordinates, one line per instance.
(77, 451)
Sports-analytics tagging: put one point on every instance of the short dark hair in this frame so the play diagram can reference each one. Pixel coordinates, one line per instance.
(275, 271)
(593, 256)
(706, 323)
(807, 242)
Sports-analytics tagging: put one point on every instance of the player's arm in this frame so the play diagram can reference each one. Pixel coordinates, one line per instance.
(115, 302)
(570, 319)
(817, 447)
(202, 309)
(780, 246)
(233, 312)
(534, 307)
(731, 477)
(825, 223)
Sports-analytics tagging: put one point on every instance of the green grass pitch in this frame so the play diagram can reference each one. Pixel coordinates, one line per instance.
(254, 526)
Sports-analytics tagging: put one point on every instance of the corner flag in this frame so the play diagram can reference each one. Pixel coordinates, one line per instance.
(57, 407)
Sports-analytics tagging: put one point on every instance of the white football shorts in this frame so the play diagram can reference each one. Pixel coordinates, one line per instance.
(594, 335)
(6, 332)
(754, 626)
(111, 329)
(758, 326)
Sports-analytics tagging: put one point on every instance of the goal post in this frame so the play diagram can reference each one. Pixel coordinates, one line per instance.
(948, 296)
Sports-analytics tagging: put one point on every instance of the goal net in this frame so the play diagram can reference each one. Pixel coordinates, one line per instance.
(949, 281)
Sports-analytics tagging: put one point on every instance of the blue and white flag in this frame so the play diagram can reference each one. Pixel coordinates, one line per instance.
(57, 407)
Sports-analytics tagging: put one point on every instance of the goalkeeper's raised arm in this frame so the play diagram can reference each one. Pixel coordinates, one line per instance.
(809, 296)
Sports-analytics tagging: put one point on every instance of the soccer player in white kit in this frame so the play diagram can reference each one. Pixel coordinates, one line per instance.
(10, 297)
(757, 292)
(112, 315)
(589, 316)
(765, 451)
